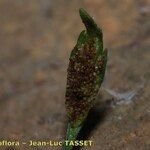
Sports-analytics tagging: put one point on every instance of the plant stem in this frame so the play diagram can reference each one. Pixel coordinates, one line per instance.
(72, 133)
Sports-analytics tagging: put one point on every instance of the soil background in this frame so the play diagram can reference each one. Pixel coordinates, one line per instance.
(36, 38)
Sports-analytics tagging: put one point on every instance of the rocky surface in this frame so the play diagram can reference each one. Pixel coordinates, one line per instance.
(36, 38)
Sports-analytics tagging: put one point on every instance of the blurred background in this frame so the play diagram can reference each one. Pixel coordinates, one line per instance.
(36, 38)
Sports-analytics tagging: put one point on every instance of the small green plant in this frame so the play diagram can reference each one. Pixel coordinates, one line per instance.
(86, 72)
